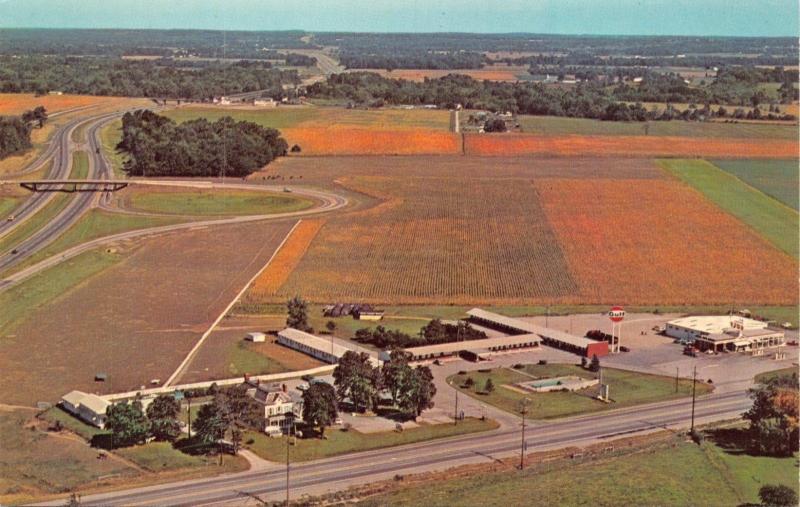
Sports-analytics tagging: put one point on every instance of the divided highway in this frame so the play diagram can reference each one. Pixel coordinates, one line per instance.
(340, 472)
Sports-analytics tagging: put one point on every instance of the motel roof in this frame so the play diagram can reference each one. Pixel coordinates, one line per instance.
(481, 345)
(323, 344)
(530, 328)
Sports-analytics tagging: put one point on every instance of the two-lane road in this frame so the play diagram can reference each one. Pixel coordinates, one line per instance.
(340, 472)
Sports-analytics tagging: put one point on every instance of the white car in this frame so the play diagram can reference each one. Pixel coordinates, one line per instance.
(10, 218)
(302, 387)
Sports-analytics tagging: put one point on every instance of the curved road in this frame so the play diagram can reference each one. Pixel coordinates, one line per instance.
(338, 473)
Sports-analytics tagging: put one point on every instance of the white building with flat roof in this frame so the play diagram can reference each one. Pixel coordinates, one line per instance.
(328, 350)
(88, 407)
(692, 328)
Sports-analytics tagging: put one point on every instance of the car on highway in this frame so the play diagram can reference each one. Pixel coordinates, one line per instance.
(10, 218)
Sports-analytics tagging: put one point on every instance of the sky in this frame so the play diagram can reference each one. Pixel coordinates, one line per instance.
(602, 17)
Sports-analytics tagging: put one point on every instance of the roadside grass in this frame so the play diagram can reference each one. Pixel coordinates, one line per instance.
(243, 359)
(216, 203)
(339, 441)
(96, 223)
(162, 457)
(776, 222)
(763, 378)
(676, 472)
(79, 133)
(80, 165)
(626, 388)
(776, 178)
(7, 205)
(20, 301)
(35, 463)
(35, 222)
(110, 136)
(554, 125)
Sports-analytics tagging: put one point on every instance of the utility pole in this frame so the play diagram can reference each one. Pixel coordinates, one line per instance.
(694, 388)
(547, 317)
(287, 471)
(455, 414)
(523, 410)
(189, 415)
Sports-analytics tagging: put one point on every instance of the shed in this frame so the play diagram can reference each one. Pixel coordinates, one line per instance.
(256, 337)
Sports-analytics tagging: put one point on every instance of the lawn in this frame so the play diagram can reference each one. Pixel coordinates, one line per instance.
(763, 378)
(70, 422)
(776, 178)
(675, 472)
(340, 442)
(776, 222)
(626, 388)
(7, 204)
(35, 222)
(244, 358)
(80, 165)
(216, 203)
(553, 125)
(22, 300)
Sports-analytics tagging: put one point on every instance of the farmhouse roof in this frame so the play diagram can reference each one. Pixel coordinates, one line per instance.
(74, 397)
(95, 403)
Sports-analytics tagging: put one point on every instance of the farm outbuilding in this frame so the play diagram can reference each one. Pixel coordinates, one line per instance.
(551, 337)
(256, 337)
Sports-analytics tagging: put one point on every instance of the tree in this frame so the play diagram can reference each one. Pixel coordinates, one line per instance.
(494, 125)
(298, 314)
(210, 424)
(330, 326)
(395, 371)
(127, 423)
(417, 391)
(240, 412)
(469, 383)
(774, 416)
(583, 362)
(489, 386)
(319, 406)
(777, 496)
(163, 414)
(594, 366)
(355, 378)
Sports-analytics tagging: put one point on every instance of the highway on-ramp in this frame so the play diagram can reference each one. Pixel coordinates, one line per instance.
(337, 473)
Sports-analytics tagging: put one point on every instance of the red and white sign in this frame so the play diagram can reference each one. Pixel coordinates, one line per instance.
(616, 314)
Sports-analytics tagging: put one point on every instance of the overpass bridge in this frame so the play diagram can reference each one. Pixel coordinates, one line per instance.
(96, 185)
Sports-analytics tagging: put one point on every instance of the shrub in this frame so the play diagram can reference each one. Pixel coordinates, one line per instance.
(777, 496)
(542, 362)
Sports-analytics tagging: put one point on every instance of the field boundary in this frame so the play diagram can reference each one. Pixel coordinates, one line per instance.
(179, 371)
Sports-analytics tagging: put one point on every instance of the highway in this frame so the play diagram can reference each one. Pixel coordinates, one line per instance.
(358, 468)
(78, 205)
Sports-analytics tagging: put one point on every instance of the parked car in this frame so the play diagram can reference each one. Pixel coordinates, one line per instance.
(302, 387)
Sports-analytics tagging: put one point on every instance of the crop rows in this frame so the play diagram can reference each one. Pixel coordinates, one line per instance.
(658, 242)
(364, 141)
(436, 240)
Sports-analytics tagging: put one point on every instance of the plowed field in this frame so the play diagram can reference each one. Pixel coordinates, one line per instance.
(362, 141)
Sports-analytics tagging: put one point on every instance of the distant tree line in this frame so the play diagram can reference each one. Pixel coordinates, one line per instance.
(157, 146)
(15, 131)
(115, 77)
(414, 60)
(432, 333)
(584, 100)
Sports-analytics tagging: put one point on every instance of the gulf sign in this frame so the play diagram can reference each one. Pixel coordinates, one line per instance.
(616, 314)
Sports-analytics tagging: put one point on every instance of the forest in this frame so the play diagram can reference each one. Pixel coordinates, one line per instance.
(116, 77)
(585, 100)
(157, 146)
(15, 135)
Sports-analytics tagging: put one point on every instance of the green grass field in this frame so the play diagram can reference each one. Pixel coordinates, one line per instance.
(289, 117)
(7, 205)
(162, 457)
(70, 422)
(243, 359)
(776, 178)
(80, 165)
(20, 301)
(676, 472)
(35, 463)
(626, 388)
(341, 442)
(773, 220)
(35, 222)
(555, 125)
(110, 136)
(217, 203)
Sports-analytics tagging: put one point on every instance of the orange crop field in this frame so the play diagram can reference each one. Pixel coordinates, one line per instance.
(658, 241)
(508, 74)
(661, 146)
(363, 141)
(17, 103)
(286, 259)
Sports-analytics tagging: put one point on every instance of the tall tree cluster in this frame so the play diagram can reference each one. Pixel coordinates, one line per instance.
(774, 416)
(157, 146)
(15, 135)
(357, 380)
(432, 333)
